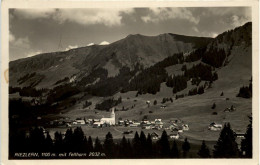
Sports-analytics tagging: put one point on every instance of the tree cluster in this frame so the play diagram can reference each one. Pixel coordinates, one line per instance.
(149, 80)
(24, 78)
(179, 96)
(62, 92)
(177, 82)
(108, 86)
(165, 99)
(201, 71)
(87, 104)
(109, 103)
(214, 57)
(195, 91)
(245, 91)
(195, 55)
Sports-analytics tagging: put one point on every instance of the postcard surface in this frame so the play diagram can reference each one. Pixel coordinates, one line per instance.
(129, 82)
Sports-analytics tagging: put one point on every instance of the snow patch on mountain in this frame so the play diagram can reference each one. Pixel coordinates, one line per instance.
(90, 44)
(104, 43)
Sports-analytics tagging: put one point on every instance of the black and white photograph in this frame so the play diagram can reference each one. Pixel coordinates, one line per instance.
(122, 82)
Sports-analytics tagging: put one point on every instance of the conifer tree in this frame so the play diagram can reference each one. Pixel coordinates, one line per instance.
(185, 147)
(175, 151)
(149, 146)
(246, 144)
(68, 140)
(48, 143)
(98, 145)
(36, 139)
(143, 144)
(226, 146)
(165, 145)
(109, 145)
(85, 145)
(90, 144)
(58, 145)
(123, 148)
(129, 149)
(78, 139)
(204, 151)
(136, 145)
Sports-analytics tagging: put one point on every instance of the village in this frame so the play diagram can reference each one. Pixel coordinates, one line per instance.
(175, 127)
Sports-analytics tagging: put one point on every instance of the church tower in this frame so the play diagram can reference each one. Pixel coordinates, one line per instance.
(113, 116)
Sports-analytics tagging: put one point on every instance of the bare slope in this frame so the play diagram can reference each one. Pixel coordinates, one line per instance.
(145, 50)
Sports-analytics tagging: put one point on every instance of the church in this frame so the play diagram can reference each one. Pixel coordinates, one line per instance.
(111, 120)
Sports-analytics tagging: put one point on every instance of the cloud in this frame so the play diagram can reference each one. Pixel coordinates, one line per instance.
(35, 13)
(108, 16)
(162, 14)
(22, 42)
(195, 29)
(71, 47)
(34, 53)
(104, 43)
(238, 21)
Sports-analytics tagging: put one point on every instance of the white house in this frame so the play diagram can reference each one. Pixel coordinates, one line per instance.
(97, 124)
(215, 127)
(185, 127)
(174, 135)
(80, 122)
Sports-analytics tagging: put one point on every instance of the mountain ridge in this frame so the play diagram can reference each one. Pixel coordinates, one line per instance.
(128, 52)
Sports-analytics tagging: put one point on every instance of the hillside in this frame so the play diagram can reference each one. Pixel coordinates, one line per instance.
(79, 63)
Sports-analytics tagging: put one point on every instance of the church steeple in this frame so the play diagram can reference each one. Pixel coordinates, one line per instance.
(113, 113)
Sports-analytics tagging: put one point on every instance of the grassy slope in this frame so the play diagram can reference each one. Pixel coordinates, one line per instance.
(194, 110)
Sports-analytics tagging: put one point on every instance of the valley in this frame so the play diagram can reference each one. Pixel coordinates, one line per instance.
(138, 69)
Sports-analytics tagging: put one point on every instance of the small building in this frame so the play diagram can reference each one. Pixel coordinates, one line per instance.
(134, 125)
(240, 135)
(96, 120)
(154, 136)
(81, 122)
(175, 129)
(185, 127)
(97, 124)
(146, 127)
(163, 106)
(215, 127)
(231, 109)
(157, 120)
(174, 135)
(68, 125)
(121, 122)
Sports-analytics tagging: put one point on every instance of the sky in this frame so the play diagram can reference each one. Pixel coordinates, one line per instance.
(35, 31)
